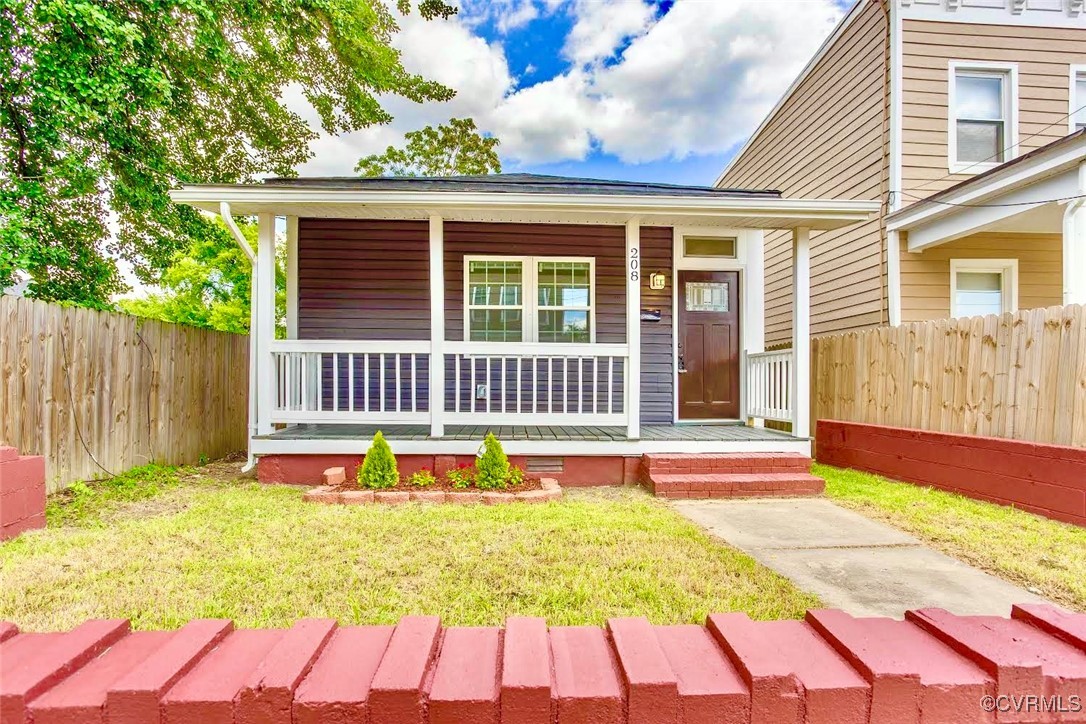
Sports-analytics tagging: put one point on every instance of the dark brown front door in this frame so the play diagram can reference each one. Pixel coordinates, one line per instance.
(708, 345)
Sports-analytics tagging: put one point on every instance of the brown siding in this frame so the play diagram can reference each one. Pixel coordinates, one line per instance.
(365, 280)
(925, 277)
(1043, 56)
(828, 140)
(369, 280)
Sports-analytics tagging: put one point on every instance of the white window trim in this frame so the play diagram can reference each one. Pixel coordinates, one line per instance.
(1007, 267)
(1073, 103)
(1010, 135)
(530, 293)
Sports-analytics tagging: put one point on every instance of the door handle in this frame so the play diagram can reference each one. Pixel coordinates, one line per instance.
(682, 365)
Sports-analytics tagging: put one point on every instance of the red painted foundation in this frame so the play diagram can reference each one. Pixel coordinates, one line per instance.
(22, 492)
(1049, 480)
(931, 667)
(577, 470)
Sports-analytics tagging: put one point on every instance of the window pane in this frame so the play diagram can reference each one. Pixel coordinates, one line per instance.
(979, 293)
(709, 247)
(1080, 100)
(564, 284)
(979, 97)
(496, 325)
(980, 141)
(495, 283)
(567, 326)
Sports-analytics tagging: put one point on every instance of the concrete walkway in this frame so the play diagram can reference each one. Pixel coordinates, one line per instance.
(851, 562)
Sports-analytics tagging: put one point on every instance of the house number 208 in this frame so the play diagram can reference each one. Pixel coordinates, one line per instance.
(635, 265)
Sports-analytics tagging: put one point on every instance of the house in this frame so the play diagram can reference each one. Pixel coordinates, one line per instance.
(587, 322)
(955, 115)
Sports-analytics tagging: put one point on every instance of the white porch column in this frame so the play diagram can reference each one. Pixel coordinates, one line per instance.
(292, 277)
(801, 332)
(753, 329)
(437, 326)
(1074, 245)
(893, 277)
(264, 330)
(632, 377)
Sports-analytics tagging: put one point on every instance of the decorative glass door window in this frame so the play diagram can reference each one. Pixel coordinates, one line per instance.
(496, 301)
(707, 296)
(529, 299)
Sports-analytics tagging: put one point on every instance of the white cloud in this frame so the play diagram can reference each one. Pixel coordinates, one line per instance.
(602, 26)
(696, 81)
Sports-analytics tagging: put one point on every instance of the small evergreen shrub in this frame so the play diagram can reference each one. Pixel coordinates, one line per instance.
(492, 467)
(516, 476)
(462, 476)
(378, 470)
(422, 478)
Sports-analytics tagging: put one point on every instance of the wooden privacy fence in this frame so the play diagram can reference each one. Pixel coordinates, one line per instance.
(77, 383)
(1019, 375)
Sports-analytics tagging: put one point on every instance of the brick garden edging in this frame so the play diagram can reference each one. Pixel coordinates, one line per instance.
(831, 667)
(1049, 480)
(22, 492)
(333, 477)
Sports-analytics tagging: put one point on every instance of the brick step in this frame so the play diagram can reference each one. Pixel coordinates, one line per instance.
(653, 464)
(734, 485)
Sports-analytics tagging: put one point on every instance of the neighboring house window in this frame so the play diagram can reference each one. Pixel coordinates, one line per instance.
(983, 116)
(983, 286)
(529, 299)
(1077, 117)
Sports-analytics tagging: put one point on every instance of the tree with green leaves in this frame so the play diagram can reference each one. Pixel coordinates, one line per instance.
(454, 149)
(209, 285)
(107, 104)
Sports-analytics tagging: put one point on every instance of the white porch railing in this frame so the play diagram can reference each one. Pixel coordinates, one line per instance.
(769, 385)
(332, 381)
(508, 383)
(497, 383)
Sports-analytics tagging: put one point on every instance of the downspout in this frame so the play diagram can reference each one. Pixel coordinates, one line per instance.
(224, 212)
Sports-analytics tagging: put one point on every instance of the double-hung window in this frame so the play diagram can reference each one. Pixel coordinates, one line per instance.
(1077, 115)
(983, 117)
(979, 287)
(530, 299)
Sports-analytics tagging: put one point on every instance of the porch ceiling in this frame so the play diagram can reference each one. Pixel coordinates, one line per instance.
(738, 212)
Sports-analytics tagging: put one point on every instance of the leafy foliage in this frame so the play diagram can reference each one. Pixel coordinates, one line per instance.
(422, 478)
(209, 284)
(492, 466)
(462, 476)
(456, 149)
(107, 104)
(378, 470)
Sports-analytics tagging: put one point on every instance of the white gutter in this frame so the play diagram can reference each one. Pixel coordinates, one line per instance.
(224, 212)
(1072, 250)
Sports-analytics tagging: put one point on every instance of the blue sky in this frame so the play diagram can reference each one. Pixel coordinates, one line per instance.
(656, 90)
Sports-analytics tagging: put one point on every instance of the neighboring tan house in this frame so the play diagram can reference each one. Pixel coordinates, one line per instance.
(583, 321)
(956, 115)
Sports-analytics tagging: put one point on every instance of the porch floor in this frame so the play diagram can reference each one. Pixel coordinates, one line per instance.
(703, 433)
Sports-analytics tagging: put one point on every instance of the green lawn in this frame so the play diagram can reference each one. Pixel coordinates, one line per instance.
(203, 545)
(1023, 548)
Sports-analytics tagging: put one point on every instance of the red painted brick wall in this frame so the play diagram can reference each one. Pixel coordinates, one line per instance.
(1049, 480)
(577, 470)
(22, 492)
(831, 667)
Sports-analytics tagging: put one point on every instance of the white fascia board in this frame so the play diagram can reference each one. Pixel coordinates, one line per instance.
(1059, 14)
(843, 25)
(973, 219)
(1023, 173)
(799, 209)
